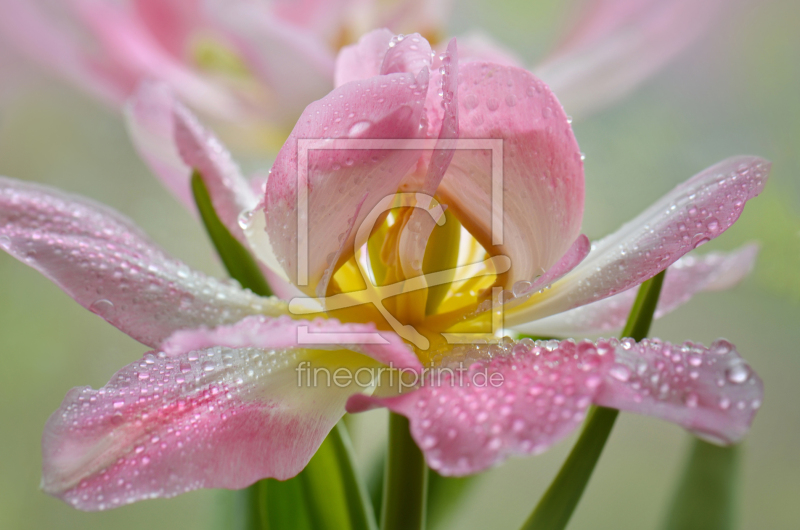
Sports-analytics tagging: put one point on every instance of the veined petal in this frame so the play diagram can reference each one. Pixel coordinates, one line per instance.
(690, 215)
(363, 59)
(111, 268)
(685, 278)
(618, 45)
(343, 183)
(517, 399)
(215, 417)
(542, 171)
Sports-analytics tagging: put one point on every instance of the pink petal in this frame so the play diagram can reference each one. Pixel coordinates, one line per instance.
(529, 401)
(542, 168)
(442, 113)
(344, 180)
(685, 278)
(149, 117)
(134, 52)
(172, 142)
(518, 399)
(293, 63)
(409, 53)
(618, 45)
(170, 22)
(48, 41)
(230, 192)
(690, 215)
(709, 391)
(364, 59)
(262, 332)
(111, 268)
(217, 417)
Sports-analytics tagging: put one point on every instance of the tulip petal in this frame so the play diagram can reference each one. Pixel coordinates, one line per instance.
(685, 278)
(709, 391)
(340, 180)
(216, 417)
(518, 399)
(170, 22)
(690, 215)
(292, 62)
(409, 53)
(132, 50)
(442, 113)
(111, 268)
(363, 59)
(38, 35)
(150, 121)
(542, 171)
(262, 332)
(618, 45)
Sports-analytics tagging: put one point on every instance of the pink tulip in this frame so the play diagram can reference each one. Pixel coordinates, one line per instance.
(223, 399)
(255, 65)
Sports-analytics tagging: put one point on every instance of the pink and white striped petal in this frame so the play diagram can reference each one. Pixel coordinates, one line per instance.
(213, 417)
(685, 278)
(344, 183)
(520, 398)
(542, 177)
(363, 59)
(111, 268)
(690, 215)
(618, 45)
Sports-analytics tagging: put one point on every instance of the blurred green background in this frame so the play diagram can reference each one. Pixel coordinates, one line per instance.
(735, 92)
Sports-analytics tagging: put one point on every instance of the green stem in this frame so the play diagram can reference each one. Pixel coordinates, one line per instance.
(559, 501)
(406, 480)
(706, 494)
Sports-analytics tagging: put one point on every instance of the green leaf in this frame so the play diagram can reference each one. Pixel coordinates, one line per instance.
(327, 494)
(706, 495)
(561, 498)
(406, 480)
(237, 260)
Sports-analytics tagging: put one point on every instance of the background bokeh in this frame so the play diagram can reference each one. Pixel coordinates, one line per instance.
(736, 92)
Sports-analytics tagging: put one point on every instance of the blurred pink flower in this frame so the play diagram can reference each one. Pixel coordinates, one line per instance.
(255, 65)
(220, 401)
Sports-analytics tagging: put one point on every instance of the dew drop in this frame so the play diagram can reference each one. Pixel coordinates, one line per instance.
(737, 374)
